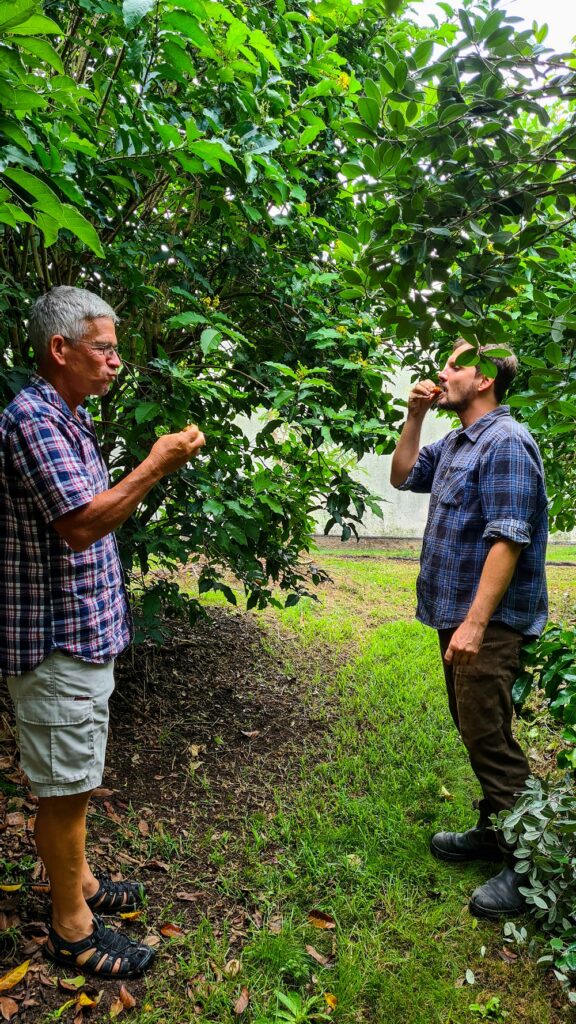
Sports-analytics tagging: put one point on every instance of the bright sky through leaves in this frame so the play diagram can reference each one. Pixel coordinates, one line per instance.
(559, 15)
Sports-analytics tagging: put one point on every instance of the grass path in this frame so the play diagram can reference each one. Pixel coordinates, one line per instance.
(352, 842)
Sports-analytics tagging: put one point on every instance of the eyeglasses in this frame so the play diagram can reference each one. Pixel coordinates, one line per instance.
(109, 351)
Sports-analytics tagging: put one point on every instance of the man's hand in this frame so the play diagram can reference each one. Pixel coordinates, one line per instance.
(422, 397)
(465, 644)
(172, 451)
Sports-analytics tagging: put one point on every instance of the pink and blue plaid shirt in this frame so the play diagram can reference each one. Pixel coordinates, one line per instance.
(54, 598)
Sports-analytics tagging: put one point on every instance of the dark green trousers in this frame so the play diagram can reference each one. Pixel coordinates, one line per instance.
(480, 701)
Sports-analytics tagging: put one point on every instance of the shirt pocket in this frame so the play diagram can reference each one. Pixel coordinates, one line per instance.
(453, 487)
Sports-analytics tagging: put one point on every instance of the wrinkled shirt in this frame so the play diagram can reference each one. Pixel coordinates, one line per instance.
(54, 598)
(486, 482)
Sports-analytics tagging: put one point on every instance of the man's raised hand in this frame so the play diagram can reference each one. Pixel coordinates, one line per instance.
(172, 451)
(422, 397)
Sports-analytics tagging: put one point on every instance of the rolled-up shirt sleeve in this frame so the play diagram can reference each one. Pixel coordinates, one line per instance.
(513, 493)
(421, 476)
(49, 467)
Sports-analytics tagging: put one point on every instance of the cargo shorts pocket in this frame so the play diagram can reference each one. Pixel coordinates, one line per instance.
(56, 739)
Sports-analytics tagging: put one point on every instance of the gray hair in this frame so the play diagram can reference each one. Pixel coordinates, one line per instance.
(64, 310)
(506, 366)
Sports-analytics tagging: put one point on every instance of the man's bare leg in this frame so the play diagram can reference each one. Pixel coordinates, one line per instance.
(60, 835)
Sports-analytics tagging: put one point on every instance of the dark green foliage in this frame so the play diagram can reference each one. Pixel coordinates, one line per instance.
(181, 158)
(543, 821)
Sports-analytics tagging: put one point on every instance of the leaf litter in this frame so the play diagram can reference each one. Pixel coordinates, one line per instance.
(212, 688)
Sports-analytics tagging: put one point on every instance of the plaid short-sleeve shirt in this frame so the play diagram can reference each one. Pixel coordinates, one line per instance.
(485, 482)
(54, 598)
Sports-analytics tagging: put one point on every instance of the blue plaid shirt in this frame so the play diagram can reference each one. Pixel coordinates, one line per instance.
(54, 597)
(486, 482)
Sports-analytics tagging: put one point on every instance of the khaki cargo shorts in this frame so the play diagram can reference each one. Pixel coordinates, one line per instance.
(62, 717)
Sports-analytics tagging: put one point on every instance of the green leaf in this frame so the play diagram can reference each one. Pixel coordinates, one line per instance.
(209, 340)
(14, 12)
(37, 25)
(146, 411)
(75, 222)
(236, 34)
(134, 10)
(48, 226)
(45, 199)
(553, 353)
(369, 111)
(423, 52)
(41, 48)
(187, 319)
(212, 153)
(258, 41)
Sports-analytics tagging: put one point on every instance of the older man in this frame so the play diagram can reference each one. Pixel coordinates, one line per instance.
(482, 585)
(64, 615)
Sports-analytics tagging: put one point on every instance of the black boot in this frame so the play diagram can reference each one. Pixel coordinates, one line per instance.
(499, 896)
(478, 843)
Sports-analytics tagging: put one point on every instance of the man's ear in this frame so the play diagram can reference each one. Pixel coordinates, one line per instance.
(485, 383)
(56, 347)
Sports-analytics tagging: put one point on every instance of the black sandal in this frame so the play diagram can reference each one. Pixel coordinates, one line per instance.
(116, 897)
(109, 948)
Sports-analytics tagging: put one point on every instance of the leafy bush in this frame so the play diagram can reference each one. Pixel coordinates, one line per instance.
(550, 663)
(542, 824)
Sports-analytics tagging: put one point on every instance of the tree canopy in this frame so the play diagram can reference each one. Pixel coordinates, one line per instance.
(283, 201)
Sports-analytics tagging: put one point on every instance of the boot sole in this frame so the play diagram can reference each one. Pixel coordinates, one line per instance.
(493, 856)
(477, 910)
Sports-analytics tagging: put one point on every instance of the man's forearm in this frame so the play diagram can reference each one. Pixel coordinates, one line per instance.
(109, 509)
(495, 579)
(407, 450)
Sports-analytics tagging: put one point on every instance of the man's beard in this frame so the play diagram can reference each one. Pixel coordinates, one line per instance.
(458, 404)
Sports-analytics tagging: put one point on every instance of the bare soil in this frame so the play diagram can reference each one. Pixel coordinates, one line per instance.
(203, 731)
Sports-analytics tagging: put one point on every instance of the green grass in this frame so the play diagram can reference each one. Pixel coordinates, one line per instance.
(352, 840)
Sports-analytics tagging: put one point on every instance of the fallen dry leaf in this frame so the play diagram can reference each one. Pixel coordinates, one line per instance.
(508, 955)
(71, 984)
(242, 1001)
(143, 827)
(319, 919)
(250, 735)
(131, 915)
(190, 897)
(319, 957)
(15, 819)
(331, 1000)
(14, 976)
(102, 791)
(11, 888)
(8, 1007)
(46, 981)
(232, 968)
(116, 1007)
(157, 865)
(151, 940)
(112, 813)
(85, 1000)
(171, 930)
(196, 748)
(128, 1000)
(275, 925)
(79, 1017)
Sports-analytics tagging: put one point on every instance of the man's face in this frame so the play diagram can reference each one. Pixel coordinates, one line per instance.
(460, 383)
(91, 365)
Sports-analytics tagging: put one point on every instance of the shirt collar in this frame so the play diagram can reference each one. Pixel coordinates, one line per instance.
(53, 397)
(476, 429)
